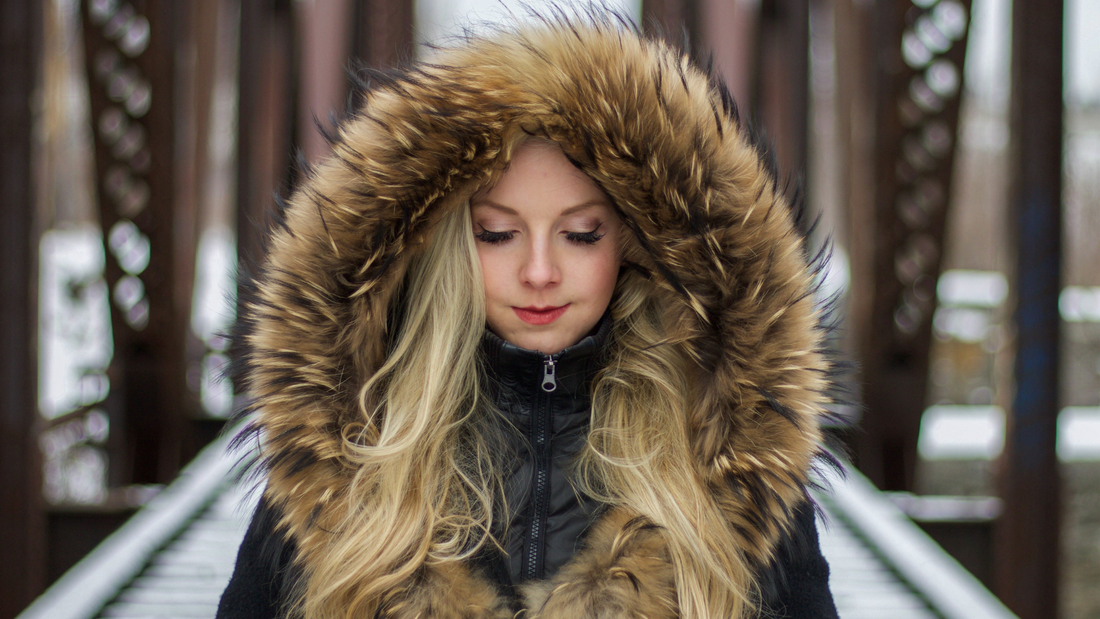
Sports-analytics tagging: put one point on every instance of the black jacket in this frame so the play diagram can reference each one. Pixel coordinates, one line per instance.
(544, 402)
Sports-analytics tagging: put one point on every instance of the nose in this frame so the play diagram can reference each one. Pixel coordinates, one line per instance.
(541, 268)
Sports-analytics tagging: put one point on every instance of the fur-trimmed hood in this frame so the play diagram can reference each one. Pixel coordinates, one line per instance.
(708, 225)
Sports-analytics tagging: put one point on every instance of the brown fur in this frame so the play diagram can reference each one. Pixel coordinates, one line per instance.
(625, 571)
(446, 592)
(709, 229)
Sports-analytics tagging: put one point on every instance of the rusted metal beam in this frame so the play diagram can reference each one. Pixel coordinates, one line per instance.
(782, 93)
(674, 20)
(275, 51)
(383, 36)
(918, 53)
(728, 34)
(22, 517)
(201, 32)
(326, 33)
(1029, 531)
(762, 52)
(130, 51)
(853, 35)
(265, 122)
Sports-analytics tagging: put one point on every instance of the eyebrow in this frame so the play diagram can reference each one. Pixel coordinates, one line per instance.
(511, 211)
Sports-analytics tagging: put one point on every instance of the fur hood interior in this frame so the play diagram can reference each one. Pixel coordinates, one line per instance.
(708, 226)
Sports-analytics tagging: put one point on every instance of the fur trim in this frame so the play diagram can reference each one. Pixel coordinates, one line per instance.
(624, 571)
(709, 227)
(446, 592)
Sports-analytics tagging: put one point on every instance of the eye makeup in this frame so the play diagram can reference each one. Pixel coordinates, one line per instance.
(585, 238)
(580, 238)
(493, 238)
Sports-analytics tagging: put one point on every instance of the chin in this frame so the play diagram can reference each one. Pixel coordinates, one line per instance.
(547, 339)
(545, 346)
(546, 343)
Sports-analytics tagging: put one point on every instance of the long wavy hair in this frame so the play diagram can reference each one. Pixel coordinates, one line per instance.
(639, 454)
(424, 474)
(426, 458)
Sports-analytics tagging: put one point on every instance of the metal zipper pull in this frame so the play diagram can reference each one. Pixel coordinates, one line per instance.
(549, 375)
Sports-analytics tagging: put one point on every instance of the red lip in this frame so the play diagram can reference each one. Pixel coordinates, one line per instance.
(540, 315)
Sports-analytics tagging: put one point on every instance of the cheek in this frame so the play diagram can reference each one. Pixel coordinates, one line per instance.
(491, 273)
(603, 274)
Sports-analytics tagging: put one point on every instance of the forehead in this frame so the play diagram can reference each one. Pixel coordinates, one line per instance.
(541, 177)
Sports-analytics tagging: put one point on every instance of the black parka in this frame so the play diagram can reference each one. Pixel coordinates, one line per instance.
(544, 405)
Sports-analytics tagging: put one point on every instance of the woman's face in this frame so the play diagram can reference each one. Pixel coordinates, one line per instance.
(548, 241)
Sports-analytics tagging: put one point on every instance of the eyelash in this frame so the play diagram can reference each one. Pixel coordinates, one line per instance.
(493, 238)
(584, 238)
(580, 238)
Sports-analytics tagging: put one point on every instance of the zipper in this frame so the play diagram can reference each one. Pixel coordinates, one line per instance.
(549, 374)
(534, 561)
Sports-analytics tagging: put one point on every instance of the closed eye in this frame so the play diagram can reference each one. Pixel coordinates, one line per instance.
(493, 238)
(585, 238)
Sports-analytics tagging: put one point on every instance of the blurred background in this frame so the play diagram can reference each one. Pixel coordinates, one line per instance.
(949, 151)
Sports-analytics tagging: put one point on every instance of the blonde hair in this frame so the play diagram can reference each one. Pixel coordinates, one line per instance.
(638, 455)
(425, 481)
(429, 485)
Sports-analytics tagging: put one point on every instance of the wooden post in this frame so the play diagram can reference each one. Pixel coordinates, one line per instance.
(22, 516)
(1028, 535)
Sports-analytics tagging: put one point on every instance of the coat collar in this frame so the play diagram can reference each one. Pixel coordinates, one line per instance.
(520, 370)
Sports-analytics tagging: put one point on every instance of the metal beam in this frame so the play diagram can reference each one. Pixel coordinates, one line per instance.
(22, 516)
(782, 94)
(326, 33)
(918, 62)
(673, 20)
(265, 121)
(383, 36)
(130, 51)
(853, 35)
(1028, 535)
(274, 52)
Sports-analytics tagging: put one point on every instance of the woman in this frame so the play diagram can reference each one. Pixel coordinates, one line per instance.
(537, 339)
